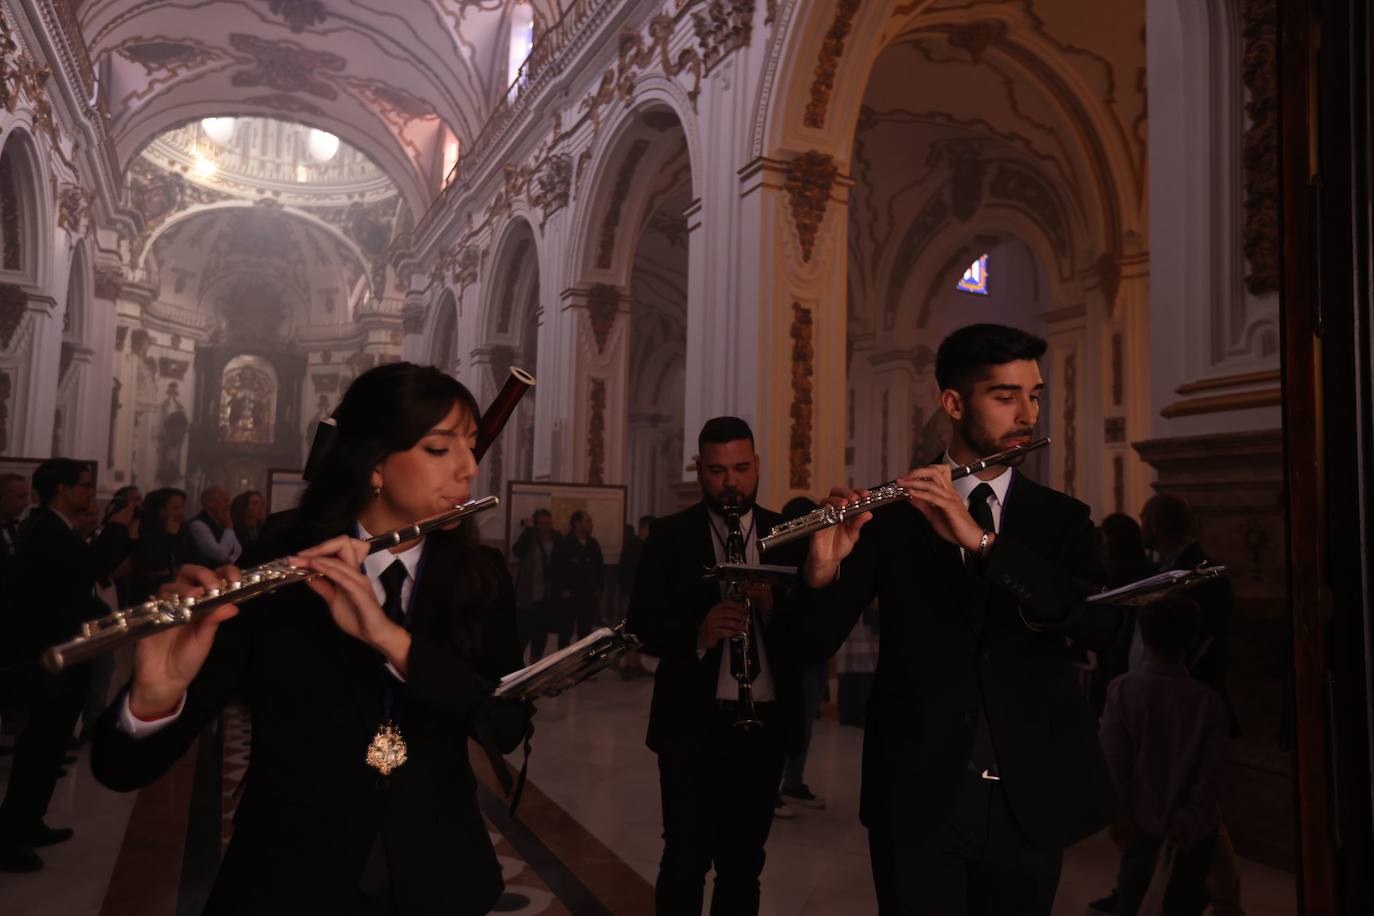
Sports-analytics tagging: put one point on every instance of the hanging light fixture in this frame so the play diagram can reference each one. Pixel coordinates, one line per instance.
(219, 130)
(322, 145)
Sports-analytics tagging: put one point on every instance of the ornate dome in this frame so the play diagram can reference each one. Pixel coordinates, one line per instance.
(257, 157)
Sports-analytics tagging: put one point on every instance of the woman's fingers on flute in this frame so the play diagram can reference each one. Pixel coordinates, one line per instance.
(343, 545)
(229, 573)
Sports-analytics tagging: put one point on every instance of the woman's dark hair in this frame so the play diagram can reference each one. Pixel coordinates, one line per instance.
(155, 502)
(964, 356)
(239, 505)
(387, 409)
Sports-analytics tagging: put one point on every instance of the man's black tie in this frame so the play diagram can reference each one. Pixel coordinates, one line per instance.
(982, 514)
(393, 578)
(982, 758)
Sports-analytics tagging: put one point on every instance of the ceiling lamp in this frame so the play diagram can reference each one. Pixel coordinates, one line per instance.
(220, 130)
(322, 145)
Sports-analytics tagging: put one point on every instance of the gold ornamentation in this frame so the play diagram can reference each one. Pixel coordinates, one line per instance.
(71, 208)
(387, 750)
(603, 302)
(285, 66)
(722, 28)
(810, 177)
(1260, 71)
(553, 186)
(802, 373)
(832, 47)
(609, 222)
(299, 14)
(596, 433)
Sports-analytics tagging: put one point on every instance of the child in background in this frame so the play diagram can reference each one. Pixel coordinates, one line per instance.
(1164, 737)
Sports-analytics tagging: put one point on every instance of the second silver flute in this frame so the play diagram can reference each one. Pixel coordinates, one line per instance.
(158, 614)
(879, 496)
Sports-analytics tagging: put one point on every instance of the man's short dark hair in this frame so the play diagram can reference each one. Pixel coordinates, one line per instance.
(1170, 515)
(54, 473)
(1170, 625)
(577, 516)
(541, 513)
(719, 430)
(966, 355)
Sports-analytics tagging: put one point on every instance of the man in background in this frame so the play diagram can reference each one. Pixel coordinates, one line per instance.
(14, 502)
(211, 541)
(579, 578)
(56, 572)
(534, 581)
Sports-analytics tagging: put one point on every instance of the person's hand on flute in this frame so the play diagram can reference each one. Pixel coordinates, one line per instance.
(166, 663)
(831, 545)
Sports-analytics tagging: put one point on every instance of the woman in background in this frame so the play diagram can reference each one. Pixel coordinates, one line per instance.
(248, 511)
(158, 551)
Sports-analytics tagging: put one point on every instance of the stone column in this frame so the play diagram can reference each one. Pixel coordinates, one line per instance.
(91, 437)
(30, 348)
(600, 381)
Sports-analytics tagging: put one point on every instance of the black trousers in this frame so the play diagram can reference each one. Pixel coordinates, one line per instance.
(55, 702)
(718, 796)
(978, 863)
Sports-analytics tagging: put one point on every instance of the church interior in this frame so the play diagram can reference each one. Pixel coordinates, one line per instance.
(217, 215)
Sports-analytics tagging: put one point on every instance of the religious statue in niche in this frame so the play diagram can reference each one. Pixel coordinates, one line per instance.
(171, 433)
(248, 400)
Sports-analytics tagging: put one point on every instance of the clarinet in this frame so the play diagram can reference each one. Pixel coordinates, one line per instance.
(746, 716)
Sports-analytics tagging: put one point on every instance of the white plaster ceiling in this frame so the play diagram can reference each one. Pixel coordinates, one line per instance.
(391, 78)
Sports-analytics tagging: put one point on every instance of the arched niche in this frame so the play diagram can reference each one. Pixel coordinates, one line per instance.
(443, 344)
(23, 247)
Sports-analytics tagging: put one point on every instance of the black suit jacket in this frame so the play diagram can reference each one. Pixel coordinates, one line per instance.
(945, 632)
(312, 809)
(670, 599)
(49, 592)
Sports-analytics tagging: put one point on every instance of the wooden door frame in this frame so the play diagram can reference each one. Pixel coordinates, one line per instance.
(1325, 116)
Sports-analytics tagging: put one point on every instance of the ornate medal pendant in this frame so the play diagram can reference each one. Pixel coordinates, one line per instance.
(387, 750)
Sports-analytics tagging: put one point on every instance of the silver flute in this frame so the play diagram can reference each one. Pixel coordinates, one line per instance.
(157, 614)
(882, 495)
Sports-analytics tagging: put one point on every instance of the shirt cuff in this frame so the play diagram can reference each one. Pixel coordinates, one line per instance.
(394, 673)
(701, 653)
(134, 727)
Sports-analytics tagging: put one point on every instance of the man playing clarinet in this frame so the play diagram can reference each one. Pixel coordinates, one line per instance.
(719, 780)
(981, 761)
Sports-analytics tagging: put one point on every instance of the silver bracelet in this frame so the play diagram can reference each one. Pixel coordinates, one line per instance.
(983, 544)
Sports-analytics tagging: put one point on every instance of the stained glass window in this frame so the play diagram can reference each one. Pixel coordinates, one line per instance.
(975, 279)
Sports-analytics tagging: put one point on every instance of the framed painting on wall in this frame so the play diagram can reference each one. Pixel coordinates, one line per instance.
(284, 489)
(606, 504)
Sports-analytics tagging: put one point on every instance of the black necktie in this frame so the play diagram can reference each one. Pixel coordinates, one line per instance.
(982, 757)
(393, 578)
(982, 514)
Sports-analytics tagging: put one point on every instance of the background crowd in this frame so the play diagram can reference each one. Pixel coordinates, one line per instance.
(1159, 689)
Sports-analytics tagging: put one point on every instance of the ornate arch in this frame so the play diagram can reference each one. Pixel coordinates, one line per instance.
(510, 282)
(640, 143)
(443, 338)
(27, 242)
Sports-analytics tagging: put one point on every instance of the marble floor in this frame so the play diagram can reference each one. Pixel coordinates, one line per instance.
(586, 839)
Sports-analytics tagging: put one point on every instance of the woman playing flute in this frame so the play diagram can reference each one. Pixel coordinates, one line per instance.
(364, 688)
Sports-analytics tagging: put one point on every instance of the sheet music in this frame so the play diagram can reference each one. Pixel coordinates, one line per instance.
(1143, 591)
(511, 683)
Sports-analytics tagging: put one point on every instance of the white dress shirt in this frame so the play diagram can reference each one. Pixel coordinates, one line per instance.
(965, 486)
(373, 565)
(727, 688)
